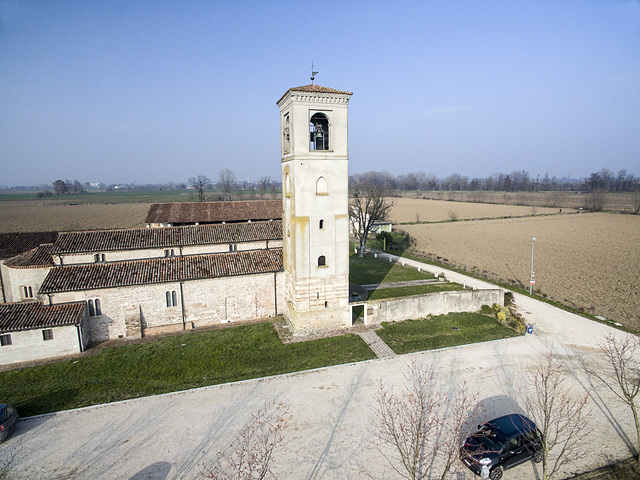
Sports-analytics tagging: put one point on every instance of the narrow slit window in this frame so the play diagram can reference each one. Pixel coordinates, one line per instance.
(321, 224)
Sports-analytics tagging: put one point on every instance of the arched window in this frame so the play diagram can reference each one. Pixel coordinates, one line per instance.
(321, 224)
(322, 261)
(319, 132)
(321, 187)
(94, 308)
(287, 134)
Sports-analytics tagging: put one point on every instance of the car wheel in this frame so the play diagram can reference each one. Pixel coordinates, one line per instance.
(496, 473)
(538, 457)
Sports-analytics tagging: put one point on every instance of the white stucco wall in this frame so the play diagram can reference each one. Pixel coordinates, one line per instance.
(15, 277)
(29, 345)
(419, 306)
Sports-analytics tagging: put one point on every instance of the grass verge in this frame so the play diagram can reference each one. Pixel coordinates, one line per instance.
(368, 270)
(393, 292)
(171, 364)
(442, 331)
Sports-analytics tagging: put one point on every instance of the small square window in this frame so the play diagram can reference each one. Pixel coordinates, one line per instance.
(5, 340)
(47, 334)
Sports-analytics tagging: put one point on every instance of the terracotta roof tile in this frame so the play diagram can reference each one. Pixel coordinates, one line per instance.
(314, 89)
(318, 89)
(161, 270)
(29, 315)
(137, 238)
(12, 244)
(215, 212)
(36, 257)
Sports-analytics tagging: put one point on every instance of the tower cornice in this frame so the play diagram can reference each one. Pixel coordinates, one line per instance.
(316, 94)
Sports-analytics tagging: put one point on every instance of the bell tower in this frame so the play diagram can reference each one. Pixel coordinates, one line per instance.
(315, 179)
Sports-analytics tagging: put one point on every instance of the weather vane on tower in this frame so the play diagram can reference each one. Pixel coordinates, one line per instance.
(313, 74)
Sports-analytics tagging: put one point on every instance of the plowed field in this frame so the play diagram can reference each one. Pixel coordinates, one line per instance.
(32, 217)
(587, 260)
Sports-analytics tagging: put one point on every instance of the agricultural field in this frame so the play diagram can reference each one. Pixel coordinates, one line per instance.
(22, 212)
(19, 216)
(586, 260)
(410, 210)
(627, 202)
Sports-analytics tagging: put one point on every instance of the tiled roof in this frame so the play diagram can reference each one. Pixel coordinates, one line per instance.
(36, 257)
(318, 89)
(161, 270)
(12, 244)
(215, 212)
(29, 315)
(314, 89)
(136, 238)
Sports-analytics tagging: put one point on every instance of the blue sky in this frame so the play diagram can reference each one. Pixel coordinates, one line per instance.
(157, 91)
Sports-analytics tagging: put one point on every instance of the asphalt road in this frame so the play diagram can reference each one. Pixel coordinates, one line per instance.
(328, 435)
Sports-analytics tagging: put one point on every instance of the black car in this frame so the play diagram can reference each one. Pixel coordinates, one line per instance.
(8, 420)
(500, 444)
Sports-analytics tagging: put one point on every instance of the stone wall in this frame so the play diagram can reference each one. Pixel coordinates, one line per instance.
(419, 306)
(133, 311)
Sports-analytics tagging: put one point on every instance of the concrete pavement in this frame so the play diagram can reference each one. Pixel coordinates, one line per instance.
(170, 436)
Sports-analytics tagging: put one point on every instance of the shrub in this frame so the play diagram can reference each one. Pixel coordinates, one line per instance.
(495, 307)
(486, 309)
(508, 299)
(502, 317)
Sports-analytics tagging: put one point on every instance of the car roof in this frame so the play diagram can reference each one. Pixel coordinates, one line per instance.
(511, 425)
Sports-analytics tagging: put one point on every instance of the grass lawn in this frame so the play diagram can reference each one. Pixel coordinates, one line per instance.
(368, 270)
(381, 293)
(171, 364)
(440, 331)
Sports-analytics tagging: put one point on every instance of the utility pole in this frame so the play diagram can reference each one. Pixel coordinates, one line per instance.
(532, 281)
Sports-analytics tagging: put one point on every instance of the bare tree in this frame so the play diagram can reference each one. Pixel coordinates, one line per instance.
(368, 204)
(251, 455)
(418, 432)
(560, 415)
(621, 374)
(226, 181)
(263, 185)
(199, 183)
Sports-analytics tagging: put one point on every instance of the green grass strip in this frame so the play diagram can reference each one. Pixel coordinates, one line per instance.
(382, 293)
(369, 270)
(442, 331)
(171, 364)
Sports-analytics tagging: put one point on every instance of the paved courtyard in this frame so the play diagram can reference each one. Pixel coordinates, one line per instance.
(170, 436)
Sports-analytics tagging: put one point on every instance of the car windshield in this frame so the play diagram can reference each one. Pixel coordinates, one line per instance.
(492, 440)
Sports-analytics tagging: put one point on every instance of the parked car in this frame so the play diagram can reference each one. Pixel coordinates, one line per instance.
(501, 444)
(8, 420)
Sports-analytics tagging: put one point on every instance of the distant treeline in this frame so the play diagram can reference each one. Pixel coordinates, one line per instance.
(517, 181)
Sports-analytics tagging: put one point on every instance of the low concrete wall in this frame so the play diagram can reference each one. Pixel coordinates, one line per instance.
(419, 306)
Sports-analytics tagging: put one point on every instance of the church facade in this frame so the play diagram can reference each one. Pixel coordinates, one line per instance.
(224, 263)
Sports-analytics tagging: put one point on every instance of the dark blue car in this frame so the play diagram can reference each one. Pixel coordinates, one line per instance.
(500, 444)
(8, 420)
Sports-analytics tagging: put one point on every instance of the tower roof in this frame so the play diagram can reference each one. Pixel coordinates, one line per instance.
(311, 88)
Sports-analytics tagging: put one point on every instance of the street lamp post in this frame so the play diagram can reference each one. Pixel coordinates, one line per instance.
(532, 281)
